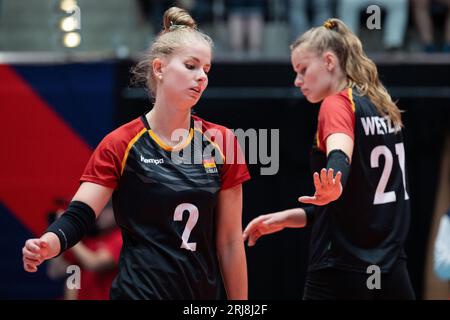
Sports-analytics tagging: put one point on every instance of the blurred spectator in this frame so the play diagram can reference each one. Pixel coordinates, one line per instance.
(97, 256)
(152, 11)
(395, 24)
(422, 11)
(442, 249)
(298, 15)
(246, 20)
(201, 9)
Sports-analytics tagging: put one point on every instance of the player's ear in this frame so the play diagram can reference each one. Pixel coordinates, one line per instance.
(157, 67)
(330, 60)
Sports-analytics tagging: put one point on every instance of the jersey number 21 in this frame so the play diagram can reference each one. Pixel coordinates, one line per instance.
(380, 195)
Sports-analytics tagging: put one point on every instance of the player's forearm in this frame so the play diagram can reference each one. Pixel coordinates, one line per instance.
(295, 218)
(234, 269)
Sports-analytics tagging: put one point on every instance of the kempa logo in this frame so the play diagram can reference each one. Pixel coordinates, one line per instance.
(153, 161)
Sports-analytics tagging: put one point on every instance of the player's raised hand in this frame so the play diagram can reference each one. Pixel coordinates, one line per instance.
(328, 188)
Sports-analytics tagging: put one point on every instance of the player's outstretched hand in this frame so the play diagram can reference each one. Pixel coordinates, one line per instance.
(328, 188)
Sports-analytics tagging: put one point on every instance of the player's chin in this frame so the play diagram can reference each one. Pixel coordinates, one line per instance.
(312, 99)
(193, 99)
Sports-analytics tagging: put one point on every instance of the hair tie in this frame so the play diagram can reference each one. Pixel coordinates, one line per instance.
(174, 26)
(329, 24)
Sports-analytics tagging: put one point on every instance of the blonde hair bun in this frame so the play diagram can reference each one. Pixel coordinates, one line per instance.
(175, 18)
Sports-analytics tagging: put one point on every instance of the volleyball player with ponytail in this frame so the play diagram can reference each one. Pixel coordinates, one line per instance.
(360, 215)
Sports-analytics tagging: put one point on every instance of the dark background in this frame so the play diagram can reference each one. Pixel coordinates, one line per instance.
(262, 96)
(79, 103)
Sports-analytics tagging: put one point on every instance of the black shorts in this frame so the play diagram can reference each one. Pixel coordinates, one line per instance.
(334, 284)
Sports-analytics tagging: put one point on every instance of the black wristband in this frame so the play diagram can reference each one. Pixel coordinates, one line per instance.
(339, 161)
(73, 224)
(310, 216)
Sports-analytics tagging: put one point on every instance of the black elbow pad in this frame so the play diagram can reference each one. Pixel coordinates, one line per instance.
(310, 215)
(73, 224)
(339, 161)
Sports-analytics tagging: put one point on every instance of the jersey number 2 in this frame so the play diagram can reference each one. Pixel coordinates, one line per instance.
(380, 195)
(192, 221)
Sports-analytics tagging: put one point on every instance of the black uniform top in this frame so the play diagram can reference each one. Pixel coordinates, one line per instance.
(164, 202)
(369, 223)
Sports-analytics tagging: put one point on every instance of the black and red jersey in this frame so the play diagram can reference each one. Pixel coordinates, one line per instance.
(164, 202)
(368, 224)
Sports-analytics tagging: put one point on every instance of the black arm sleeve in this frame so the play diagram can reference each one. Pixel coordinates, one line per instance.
(339, 161)
(73, 224)
(310, 215)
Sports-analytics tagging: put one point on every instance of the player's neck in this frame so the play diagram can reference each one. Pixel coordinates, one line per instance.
(340, 84)
(164, 122)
